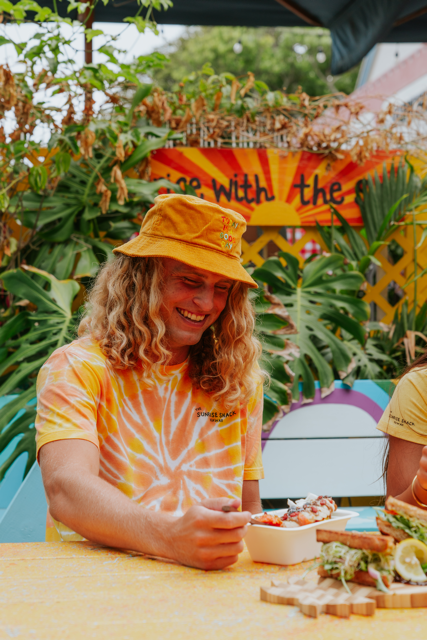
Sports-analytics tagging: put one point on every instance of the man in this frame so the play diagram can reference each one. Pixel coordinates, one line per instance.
(150, 422)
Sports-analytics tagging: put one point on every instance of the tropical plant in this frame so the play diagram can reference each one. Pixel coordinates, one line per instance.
(28, 338)
(383, 204)
(321, 301)
(406, 196)
(371, 361)
(274, 322)
(76, 219)
(385, 201)
(403, 340)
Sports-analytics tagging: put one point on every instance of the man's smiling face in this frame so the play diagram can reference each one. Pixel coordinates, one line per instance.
(193, 299)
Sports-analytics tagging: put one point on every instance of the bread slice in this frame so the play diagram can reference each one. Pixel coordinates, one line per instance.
(392, 504)
(361, 577)
(387, 529)
(356, 540)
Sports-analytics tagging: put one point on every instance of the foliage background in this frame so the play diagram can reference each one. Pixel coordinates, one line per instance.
(267, 52)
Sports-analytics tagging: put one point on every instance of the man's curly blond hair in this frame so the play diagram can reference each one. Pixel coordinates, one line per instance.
(122, 314)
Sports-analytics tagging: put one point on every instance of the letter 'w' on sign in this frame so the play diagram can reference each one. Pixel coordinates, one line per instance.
(220, 190)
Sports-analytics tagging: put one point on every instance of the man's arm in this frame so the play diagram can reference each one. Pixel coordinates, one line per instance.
(407, 459)
(250, 496)
(204, 537)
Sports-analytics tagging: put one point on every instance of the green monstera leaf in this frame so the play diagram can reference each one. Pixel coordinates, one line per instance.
(321, 300)
(27, 339)
(273, 324)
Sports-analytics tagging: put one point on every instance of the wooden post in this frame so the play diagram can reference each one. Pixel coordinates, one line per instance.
(88, 18)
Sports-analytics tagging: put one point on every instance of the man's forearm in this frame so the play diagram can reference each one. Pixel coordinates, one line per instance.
(101, 513)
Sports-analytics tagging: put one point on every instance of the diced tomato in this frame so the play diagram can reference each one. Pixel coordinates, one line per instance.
(392, 513)
(270, 519)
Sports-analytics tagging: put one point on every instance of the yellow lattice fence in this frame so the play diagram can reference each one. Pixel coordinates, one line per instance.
(271, 239)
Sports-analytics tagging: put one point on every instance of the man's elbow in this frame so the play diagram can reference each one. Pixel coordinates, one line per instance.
(67, 467)
(56, 494)
(59, 485)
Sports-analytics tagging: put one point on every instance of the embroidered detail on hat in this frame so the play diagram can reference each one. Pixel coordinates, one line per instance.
(227, 238)
(229, 223)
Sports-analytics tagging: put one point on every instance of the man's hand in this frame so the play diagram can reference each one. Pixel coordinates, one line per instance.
(207, 538)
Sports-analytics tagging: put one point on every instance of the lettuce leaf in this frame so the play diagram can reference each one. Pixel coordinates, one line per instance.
(413, 527)
(339, 559)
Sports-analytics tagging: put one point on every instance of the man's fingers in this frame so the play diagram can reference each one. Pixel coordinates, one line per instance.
(216, 537)
(220, 555)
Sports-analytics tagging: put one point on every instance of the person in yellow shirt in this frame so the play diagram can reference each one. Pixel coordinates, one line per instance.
(150, 423)
(405, 423)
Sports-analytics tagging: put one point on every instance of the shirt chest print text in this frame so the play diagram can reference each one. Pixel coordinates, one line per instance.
(401, 421)
(214, 416)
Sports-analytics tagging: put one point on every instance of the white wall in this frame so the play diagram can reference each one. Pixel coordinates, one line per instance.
(382, 59)
(385, 57)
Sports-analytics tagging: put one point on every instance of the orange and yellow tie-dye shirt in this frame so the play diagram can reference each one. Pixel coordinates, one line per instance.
(166, 446)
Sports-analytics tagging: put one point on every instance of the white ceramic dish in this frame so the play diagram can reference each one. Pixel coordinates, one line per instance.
(277, 545)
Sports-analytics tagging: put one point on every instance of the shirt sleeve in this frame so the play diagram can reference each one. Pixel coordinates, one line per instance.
(406, 414)
(254, 469)
(67, 399)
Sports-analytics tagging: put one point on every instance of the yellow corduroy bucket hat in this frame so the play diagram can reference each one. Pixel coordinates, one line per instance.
(193, 231)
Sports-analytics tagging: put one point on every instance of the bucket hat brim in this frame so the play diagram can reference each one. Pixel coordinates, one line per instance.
(150, 246)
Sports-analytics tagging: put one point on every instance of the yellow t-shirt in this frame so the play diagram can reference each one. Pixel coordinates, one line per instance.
(406, 414)
(167, 447)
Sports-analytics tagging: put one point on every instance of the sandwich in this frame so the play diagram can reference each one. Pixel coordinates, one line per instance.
(366, 558)
(401, 520)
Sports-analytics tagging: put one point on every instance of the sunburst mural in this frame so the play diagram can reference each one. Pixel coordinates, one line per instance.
(270, 186)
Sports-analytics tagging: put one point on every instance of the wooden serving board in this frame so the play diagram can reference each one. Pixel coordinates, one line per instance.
(329, 596)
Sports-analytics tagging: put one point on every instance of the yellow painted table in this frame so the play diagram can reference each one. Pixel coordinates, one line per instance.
(64, 591)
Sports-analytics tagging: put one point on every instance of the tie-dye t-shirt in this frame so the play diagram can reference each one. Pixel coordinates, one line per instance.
(167, 446)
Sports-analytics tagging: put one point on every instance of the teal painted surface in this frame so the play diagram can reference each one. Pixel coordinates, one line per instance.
(13, 478)
(22, 503)
(25, 518)
(367, 387)
(365, 521)
(370, 389)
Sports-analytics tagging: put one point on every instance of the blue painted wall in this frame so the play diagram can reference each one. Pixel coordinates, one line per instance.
(13, 478)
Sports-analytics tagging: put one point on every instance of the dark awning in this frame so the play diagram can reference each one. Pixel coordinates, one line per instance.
(355, 25)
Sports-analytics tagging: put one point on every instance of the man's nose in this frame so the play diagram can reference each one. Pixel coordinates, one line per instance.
(204, 299)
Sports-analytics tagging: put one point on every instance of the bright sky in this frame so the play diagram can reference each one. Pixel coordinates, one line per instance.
(132, 42)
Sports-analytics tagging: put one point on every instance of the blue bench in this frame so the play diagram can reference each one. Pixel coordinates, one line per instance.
(23, 504)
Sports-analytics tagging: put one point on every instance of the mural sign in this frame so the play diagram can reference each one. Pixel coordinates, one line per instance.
(269, 186)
